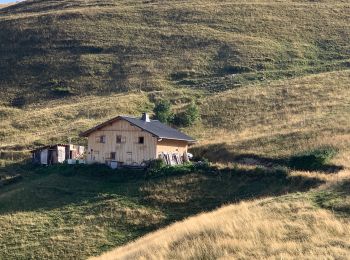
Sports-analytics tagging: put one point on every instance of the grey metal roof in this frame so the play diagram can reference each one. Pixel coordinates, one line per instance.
(50, 146)
(154, 127)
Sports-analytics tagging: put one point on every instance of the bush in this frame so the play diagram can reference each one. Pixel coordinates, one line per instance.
(162, 111)
(170, 170)
(203, 164)
(62, 91)
(19, 102)
(159, 169)
(188, 117)
(155, 164)
(314, 159)
(98, 171)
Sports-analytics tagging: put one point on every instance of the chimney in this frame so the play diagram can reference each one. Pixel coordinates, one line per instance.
(145, 117)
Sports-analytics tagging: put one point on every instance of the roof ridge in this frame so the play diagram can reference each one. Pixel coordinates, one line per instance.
(138, 118)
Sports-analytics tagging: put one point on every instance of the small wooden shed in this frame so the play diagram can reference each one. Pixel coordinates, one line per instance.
(57, 153)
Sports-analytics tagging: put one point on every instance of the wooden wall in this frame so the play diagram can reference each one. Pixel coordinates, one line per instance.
(129, 151)
(171, 146)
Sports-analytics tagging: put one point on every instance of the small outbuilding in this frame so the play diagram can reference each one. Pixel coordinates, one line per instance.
(57, 153)
(126, 140)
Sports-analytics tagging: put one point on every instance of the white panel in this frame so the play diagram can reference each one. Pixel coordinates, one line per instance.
(43, 156)
(61, 154)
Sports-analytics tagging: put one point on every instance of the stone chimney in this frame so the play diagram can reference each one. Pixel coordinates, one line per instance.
(145, 117)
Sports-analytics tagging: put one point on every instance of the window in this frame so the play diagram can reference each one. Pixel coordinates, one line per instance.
(112, 156)
(141, 140)
(119, 139)
(102, 139)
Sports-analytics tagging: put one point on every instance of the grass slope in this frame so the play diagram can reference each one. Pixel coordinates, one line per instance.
(55, 49)
(67, 212)
(58, 120)
(275, 120)
(306, 109)
(271, 79)
(288, 227)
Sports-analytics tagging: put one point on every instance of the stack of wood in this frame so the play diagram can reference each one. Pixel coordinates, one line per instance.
(173, 158)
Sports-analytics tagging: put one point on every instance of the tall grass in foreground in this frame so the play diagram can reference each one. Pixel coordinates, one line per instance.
(286, 228)
(76, 211)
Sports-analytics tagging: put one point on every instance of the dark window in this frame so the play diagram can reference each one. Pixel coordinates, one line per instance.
(113, 155)
(141, 140)
(102, 139)
(119, 139)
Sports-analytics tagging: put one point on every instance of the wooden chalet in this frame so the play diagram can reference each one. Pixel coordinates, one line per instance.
(125, 140)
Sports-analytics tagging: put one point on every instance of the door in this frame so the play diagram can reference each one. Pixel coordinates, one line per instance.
(129, 158)
(96, 156)
(61, 156)
(43, 156)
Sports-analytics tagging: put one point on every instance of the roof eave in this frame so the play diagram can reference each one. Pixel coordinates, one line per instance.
(95, 128)
(179, 139)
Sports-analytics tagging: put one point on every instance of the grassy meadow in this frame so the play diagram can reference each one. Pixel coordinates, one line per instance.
(69, 212)
(72, 212)
(67, 48)
(288, 227)
(271, 80)
(263, 126)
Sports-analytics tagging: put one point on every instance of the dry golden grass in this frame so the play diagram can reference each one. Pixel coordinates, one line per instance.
(286, 228)
(278, 119)
(87, 47)
(270, 121)
(4, 5)
(58, 120)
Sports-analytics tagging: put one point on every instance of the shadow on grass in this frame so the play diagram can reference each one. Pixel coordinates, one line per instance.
(336, 199)
(184, 192)
(207, 188)
(222, 153)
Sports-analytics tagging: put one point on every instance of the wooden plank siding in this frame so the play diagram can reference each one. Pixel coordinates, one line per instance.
(171, 146)
(129, 151)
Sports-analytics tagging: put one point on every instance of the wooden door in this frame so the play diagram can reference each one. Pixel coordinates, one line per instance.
(129, 158)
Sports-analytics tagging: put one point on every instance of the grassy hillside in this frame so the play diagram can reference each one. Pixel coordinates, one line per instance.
(56, 49)
(271, 80)
(67, 212)
(278, 119)
(271, 120)
(292, 226)
(57, 120)
(3, 5)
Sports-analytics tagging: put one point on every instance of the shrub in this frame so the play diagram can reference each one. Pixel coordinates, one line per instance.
(170, 170)
(162, 111)
(313, 159)
(188, 117)
(179, 75)
(61, 91)
(155, 164)
(203, 164)
(19, 102)
(98, 171)
(230, 69)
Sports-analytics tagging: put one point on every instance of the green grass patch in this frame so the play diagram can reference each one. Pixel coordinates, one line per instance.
(75, 211)
(335, 198)
(315, 159)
